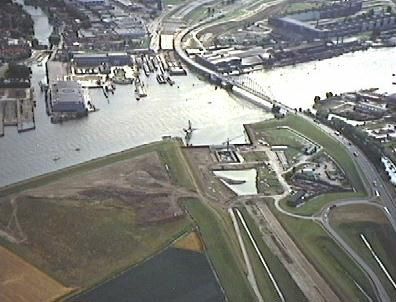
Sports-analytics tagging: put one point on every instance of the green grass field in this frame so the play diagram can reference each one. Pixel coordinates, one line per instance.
(332, 262)
(253, 156)
(267, 182)
(335, 149)
(288, 287)
(285, 137)
(221, 251)
(381, 237)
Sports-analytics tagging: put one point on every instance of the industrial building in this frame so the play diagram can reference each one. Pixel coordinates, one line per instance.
(67, 97)
(230, 59)
(97, 59)
(89, 2)
(329, 22)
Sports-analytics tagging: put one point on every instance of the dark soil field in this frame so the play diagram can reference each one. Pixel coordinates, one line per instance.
(175, 275)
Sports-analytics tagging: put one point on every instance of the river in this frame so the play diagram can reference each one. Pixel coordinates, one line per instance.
(122, 122)
(296, 86)
(42, 28)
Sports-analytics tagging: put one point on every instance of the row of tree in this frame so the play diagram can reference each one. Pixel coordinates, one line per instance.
(373, 149)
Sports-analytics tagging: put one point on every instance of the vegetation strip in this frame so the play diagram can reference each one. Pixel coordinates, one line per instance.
(336, 267)
(221, 251)
(260, 255)
(250, 276)
(378, 260)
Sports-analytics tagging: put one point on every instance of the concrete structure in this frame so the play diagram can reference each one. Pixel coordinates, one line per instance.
(166, 42)
(278, 148)
(67, 96)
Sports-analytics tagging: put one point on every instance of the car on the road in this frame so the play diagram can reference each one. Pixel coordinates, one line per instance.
(355, 154)
(332, 206)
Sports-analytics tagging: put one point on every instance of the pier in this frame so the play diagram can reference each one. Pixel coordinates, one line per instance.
(17, 109)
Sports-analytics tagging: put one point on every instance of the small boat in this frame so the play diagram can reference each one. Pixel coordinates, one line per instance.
(56, 158)
(160, 79)
(170, 81)
(77, 149)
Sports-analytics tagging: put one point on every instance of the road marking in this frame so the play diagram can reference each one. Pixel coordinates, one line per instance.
(386, 210)
(251, 276)
(378, 260)
(260, 256)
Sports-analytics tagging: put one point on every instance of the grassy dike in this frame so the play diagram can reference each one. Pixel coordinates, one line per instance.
(221, 252)
(287, 285)
(337, 268)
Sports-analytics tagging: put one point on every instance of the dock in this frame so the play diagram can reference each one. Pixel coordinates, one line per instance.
(25, 115)
(17, 109)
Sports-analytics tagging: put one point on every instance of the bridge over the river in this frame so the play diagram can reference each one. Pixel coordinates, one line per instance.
(244, 83)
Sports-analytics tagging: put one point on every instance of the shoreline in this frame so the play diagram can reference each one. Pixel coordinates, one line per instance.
(31, 182)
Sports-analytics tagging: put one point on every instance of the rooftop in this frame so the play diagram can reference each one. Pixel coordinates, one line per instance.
(67, 92)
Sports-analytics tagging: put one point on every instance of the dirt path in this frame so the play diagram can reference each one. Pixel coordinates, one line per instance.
(314, 287)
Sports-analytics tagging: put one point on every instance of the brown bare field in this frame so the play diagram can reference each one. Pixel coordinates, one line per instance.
(191, 242)
(22, 282)
(81, 228)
